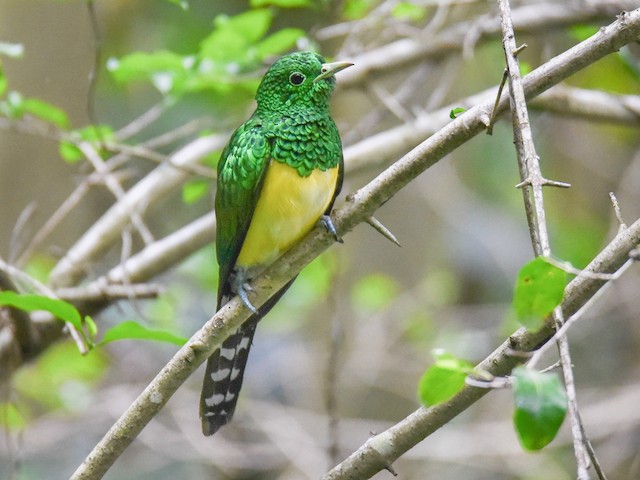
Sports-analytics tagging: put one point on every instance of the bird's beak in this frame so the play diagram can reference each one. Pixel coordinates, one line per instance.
(330, 69)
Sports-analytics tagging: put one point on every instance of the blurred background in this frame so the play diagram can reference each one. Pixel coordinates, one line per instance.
(341, 355)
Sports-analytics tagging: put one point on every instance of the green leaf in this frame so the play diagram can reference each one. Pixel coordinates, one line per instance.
(95, 134)
(279, 42)
(131, 330)
(539, 289)
(167, 71)
(456, 112)
(45, 111)
(61, 377)
(16, 106)
(280, 3)
(540, 407)
(232, 37)
(408, 11)
(92, 328)
(69, 152)
(12, 50)
(32, 302)
(443, 379)
(374, 292)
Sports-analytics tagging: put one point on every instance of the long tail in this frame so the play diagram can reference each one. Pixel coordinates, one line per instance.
(223, 379)
(225, 369)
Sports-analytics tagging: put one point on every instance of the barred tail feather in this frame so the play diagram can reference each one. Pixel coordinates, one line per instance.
(223, 379)
(225, 369)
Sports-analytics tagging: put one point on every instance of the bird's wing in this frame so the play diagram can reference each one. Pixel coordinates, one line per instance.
(241, 173)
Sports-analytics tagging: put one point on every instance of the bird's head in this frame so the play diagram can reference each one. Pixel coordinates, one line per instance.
(297, 82)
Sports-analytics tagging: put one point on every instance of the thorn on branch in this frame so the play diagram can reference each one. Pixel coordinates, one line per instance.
(384, 231)
(618, 211)
(518, 353)
(390, 469)
(493, 383)
(555, 366)
(542, 182)
(519, 49)
(494, 112)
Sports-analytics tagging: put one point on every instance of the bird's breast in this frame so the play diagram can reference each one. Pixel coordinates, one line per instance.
(288, 207)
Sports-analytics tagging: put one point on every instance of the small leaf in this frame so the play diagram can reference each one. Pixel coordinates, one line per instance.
(540, 407)
(539, 289)
(91, 133)
(456, 112)
(69, 152)
(31, 302)
(16, 106)
(92, 328)
(46, 112)
(443, 379)
(131, 330)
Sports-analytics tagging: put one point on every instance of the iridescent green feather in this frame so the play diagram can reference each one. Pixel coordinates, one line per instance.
(291, 125)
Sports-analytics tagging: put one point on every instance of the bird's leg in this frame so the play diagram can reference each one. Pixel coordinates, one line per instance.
(240, 287)
(327, 223)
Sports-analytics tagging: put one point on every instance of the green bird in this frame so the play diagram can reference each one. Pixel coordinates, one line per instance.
(277, 178)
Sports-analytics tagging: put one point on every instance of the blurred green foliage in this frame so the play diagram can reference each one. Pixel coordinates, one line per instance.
(374, 292)
(236, 46)
(61, 378)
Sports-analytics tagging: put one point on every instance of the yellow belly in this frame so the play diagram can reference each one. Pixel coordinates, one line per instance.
(288, 208)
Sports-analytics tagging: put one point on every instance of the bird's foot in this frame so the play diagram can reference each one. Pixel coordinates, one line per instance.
(240, 287)
(331, 228)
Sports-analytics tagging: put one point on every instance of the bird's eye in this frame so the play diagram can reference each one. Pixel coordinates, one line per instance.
(296, 78)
